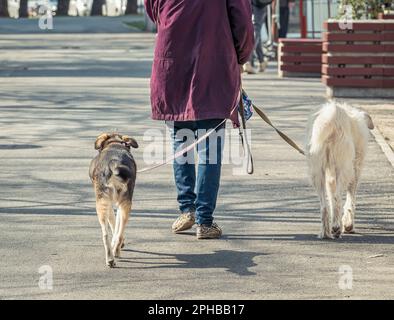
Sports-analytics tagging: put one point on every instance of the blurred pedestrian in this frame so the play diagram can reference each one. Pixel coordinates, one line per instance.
(195, 85)
(284, 13)
(259, 9)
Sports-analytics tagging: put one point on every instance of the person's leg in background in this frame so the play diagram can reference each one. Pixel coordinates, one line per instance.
(184, 174)
(259, 16)
(208, 178)
(284, 20)
(263, 61)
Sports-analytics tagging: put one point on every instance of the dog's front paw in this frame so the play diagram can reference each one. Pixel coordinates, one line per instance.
(111, 263)
(117, 245)
(117, 253)
(348, 220)
(337, 231)
(116, 250)
(349, 229)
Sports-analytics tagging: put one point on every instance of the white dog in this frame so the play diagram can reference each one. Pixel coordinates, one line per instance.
(337, 142)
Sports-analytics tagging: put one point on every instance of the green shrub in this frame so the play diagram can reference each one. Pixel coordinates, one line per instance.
(364, 9)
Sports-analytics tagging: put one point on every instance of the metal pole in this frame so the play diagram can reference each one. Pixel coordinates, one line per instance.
(302, 20)
(269, 24)
(313, 19)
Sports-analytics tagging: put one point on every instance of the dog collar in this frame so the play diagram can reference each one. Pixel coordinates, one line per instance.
(127, 145)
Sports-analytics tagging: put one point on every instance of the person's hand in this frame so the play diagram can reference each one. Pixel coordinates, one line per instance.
(273, 5)
(241, 68)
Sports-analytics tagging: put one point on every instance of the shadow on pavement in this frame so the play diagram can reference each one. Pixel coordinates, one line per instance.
(92, 68)
(372, 238)
(18, 146)
(237, 262)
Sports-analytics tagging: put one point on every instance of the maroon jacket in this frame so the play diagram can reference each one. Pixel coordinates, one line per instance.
(199, 47)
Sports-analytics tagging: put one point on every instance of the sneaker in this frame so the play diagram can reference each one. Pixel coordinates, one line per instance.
(184, 222)
(263, 66)
(249, 68)
(208, 232)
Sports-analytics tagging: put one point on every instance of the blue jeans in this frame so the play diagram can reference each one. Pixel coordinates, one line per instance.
(198, 194)
(259, 18)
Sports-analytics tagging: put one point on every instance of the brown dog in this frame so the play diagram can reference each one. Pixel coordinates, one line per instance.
(113, 173)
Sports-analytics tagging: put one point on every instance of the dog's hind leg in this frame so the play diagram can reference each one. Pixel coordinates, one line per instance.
(318, 180)
(103, 207)
(118, 213)
(122, 217)
(111, 220)
(325, 232)
(116, 230)
(335, 200)
(349, 208)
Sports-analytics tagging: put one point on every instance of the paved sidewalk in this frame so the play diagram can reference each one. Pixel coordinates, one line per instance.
(59, 91)
(70, 25)
(383, 115)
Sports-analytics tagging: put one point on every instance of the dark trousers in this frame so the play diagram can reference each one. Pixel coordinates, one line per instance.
(284, 21)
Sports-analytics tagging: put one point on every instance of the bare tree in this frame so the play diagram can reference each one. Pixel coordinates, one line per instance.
(97, 8)
(23, 12)
(62, 7)
(4, 8)
(131, 7)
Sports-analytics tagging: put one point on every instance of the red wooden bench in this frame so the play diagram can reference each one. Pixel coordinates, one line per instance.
(359, 58)
(300, 57)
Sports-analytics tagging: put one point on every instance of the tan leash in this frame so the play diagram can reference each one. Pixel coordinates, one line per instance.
(183, 151)
(286, 138)
(243, 137)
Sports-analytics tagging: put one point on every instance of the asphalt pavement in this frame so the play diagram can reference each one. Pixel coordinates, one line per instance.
(59, 91)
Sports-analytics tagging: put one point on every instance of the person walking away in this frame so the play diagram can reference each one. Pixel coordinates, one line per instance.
(284, 13)
(259, 9)
(195, 86)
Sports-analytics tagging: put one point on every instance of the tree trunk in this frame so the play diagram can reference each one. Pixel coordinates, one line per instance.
(149, 24)
(23, 12)
(62, 7)
(97, 8)
(4, 8)
(131, 7)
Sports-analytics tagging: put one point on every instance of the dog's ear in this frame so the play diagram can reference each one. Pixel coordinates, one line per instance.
(369, 121)
(130, 141)
(100, 140)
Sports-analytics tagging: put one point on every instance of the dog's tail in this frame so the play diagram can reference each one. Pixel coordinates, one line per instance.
(120, 174)
(326, 124)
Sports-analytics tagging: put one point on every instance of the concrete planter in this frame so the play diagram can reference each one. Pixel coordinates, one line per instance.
(299, 58)
(386, 16)
(359, 62)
